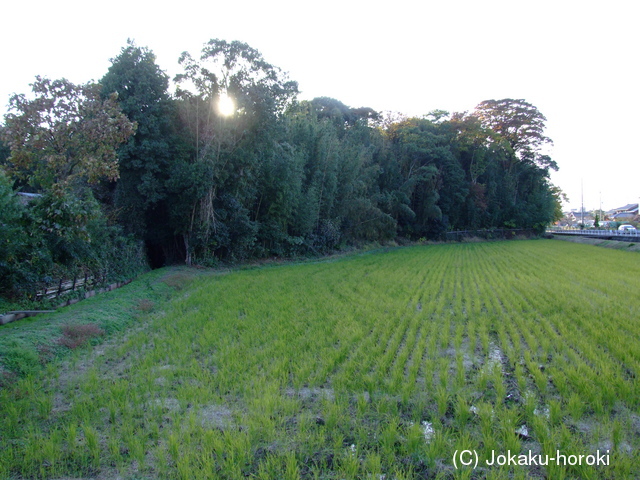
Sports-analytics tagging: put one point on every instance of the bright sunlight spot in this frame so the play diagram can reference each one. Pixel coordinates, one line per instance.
(226, 106)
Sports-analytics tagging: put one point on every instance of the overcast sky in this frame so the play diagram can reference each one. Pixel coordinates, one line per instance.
(576, 61)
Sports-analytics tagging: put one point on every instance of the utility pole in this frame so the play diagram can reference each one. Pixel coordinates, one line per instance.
(582, 202)
(600, 213)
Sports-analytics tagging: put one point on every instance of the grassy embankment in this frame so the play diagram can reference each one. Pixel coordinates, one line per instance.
(614, 244)
(370, 365)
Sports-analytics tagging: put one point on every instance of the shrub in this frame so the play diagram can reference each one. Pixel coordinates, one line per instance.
(177, 281)
(145, 305)
(74, 336)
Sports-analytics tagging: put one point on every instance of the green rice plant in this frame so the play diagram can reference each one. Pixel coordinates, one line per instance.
(137, 448)
(616, 435)
(540, 380)
(372, 465)
(184, 467)
(388, 438)
(348, 462)
(555, 412)
(70, 436)
(457, 339)
(463, 441)
(575, 406)
(93, 446)
(529, 407)
(509, 423)
(291, 468)
(362, 404)
(487, 429)
(386, 406)
(415, 444)
(113, 447)
(443, 372)
(12, 415)
(460, 378)
(483, 334)
(483, 380)
(48, 453)
(269, 468)
(442, 400)
(444, 333)
(499, 386)
(520, 377)
(559, 380)
(44, 404)
(440, 443)
(462, 414)
(463, 474)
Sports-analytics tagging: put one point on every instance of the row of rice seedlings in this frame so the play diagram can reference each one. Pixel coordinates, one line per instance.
(379, 321)
(460, 402)
(435, 363)
(490, 322)
(610, 283)
(414, 365)
(391, 350)
(604, 361)
(583, 341)
(535, 364)
(592, 328)
(480, 324)
(233, 347)
(431, 303)
(580, 368)
(508, 310)
(397, 374)
(593, 313)
(512, 298)
(188, 371)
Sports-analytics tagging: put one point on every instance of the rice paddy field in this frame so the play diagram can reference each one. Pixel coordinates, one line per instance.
(499, 360)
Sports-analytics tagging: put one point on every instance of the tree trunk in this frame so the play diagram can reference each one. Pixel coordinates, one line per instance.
(187, 259)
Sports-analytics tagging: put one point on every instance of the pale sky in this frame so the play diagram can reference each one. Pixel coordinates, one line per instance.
(576, 61)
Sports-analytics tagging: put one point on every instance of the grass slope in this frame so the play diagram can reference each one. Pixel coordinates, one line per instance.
(379, 365)
(615, 244)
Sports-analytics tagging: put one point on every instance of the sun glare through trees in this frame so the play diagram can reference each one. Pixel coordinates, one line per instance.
(226, 106)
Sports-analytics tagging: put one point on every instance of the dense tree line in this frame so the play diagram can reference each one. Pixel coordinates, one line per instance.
(277, 176)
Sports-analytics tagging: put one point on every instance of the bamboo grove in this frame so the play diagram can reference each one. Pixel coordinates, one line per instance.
(277, 177)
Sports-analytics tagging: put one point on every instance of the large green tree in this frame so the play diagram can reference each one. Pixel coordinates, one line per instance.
(520, 125)
(410, 175)
(63, 139)
(66, 134)
(140, 195)
(232, 147)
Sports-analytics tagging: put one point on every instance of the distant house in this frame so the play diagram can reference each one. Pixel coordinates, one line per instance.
(630, 207)
(623, 216)
(575, 218)
(626, 212)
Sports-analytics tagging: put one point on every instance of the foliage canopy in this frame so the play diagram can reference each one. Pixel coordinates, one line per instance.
(65, 133)
(276, 176)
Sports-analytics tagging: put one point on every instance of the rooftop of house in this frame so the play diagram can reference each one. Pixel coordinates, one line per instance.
(626, 208)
